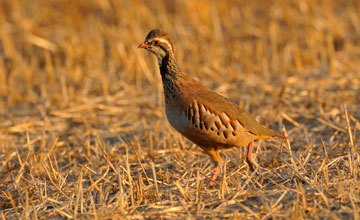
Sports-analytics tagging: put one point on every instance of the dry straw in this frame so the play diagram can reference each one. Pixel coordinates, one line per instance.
(82, 129)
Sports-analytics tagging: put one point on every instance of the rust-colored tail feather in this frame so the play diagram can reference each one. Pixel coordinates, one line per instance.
(276, 134)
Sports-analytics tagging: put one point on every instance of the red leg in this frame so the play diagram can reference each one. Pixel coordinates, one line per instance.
(215, 156)
(249, 158)
(214, 175)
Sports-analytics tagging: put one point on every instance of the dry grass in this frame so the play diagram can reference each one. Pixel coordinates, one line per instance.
(82, 128)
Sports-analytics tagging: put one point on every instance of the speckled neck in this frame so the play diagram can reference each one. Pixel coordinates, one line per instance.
(170, 75)
(168, 65)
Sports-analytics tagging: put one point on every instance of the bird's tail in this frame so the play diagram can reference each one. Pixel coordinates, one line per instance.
(276, 134)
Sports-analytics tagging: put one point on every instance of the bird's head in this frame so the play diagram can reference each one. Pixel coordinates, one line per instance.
(158, 43)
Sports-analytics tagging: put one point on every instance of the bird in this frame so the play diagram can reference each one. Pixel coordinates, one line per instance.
(208, 119)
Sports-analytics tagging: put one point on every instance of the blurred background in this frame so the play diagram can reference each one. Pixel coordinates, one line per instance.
(56, 50)
(72, 80)
(55, 54)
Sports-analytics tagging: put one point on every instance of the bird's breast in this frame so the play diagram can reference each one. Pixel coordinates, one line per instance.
(177, 119)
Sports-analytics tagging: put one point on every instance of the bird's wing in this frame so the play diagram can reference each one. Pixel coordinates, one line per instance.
(221, 104)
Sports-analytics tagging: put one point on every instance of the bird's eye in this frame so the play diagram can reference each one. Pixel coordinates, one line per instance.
(156, 42)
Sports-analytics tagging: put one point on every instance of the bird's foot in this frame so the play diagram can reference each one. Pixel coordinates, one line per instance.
(252, 164)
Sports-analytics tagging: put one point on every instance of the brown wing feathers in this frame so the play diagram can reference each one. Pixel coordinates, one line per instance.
(203, 117)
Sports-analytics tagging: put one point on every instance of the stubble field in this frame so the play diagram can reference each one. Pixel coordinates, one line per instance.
(83, 134)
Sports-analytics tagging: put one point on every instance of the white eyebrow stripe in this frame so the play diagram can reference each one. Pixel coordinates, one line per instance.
(164, 41)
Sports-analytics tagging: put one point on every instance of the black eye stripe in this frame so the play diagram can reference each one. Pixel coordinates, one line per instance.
(163, 48)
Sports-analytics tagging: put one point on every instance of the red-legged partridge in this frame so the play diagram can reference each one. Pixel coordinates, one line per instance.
(208, 119)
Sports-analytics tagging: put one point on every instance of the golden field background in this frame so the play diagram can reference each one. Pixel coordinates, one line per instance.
(82, 129)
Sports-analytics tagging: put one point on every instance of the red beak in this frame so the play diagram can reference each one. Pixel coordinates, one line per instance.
(143, 45)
